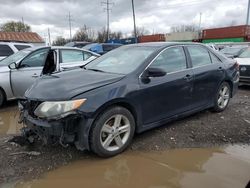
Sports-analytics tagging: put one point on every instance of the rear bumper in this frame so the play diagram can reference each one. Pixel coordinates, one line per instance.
(235, 83)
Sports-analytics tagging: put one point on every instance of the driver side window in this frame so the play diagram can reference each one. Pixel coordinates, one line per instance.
(35, 59)
(171, 60)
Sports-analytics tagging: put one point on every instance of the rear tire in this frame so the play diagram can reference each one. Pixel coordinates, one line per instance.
(112, 132)
(222, 97)
(2, 98)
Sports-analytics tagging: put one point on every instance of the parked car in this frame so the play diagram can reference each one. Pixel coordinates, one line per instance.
(244, 61)
(233, 52)
(77, 44)
(130, 89)
(213, 46)
(19, 71)
(101, 48)
(9, 48)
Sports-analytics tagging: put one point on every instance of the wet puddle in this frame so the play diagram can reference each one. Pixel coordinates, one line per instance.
(9, 120)
(228, 167)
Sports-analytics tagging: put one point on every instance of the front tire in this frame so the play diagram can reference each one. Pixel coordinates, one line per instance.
(222, 97)
(112, 132)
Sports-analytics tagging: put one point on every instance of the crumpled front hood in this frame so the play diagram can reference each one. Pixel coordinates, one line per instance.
(68, 84)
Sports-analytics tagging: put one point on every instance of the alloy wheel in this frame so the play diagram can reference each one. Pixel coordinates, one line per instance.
(115, 132)
(224, 96)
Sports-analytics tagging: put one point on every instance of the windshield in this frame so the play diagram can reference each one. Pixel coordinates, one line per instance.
(14, 57)
(231, 51)
(122, 60)
(245, 54)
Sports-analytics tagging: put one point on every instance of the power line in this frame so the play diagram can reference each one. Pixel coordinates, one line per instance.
(107, 5)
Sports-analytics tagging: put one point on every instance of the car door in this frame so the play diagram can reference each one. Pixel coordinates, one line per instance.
(74, 58)
(208, 72)
(167, 96)
(28, 70)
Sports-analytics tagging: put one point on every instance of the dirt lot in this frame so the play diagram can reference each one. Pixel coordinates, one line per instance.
(204, 129)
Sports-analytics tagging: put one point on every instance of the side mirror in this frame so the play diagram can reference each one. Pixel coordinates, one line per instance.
(12, 65)
(154, 72)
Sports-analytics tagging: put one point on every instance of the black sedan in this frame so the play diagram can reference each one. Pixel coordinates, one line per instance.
(131, 89)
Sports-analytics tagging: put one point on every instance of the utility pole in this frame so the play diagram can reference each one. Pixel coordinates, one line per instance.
(248, 10)
(70, 19)
(107, 5)
(49, 37)
(135, 33)
(200, 21)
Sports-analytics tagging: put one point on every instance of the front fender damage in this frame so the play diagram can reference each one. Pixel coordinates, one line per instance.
(73, 129)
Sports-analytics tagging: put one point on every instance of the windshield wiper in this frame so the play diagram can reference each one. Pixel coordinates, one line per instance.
(96, 70)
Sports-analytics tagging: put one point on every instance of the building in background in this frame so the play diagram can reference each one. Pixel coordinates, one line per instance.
(152, 38)
(25, 37)
(239, 33)
(182, 36)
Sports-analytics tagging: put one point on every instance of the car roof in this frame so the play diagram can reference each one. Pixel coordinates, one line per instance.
(55, 48)
(16, 43)
(165, 44)
(238, 47)
(58, 47)
(114, 44)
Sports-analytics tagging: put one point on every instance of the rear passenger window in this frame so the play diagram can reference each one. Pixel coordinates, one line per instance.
(71, 56)
(5, 50)
(199, 56)
(171, 60)
(214, 58)
(21, 47)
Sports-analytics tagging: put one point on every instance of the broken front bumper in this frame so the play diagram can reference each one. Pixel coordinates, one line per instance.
(72, 129)
(62, 131)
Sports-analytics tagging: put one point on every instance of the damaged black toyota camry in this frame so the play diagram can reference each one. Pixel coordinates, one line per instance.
(126, 91)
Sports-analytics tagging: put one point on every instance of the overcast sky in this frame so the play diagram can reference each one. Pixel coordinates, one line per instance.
(154, 15)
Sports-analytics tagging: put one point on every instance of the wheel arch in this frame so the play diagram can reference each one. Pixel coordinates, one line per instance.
(4, 93)
(118, 102)
(231, 86)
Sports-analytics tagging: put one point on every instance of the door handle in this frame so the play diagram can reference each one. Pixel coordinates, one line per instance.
(34, 75)
(188, 77)
(220, 69)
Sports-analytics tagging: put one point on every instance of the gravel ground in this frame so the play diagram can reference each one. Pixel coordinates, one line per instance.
(204, 129)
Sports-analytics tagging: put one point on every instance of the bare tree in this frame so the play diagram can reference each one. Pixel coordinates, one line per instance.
(101, 35)
(13, 26)
(60, 41)
(115, 35)
(140, 31)
(84, 34)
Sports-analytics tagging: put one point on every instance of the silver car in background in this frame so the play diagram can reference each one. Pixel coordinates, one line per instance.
(19, 71)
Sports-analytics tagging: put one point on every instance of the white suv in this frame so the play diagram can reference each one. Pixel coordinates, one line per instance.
(9, 48)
